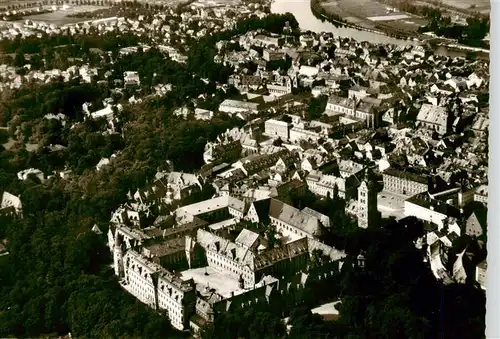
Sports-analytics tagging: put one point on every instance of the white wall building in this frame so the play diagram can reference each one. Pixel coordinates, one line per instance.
(131, 77)
(11, 201)
(481, 194)
(323, 185)
(277, 129)
(337, 105)
(308, 71)
(236, 106)
(433, 118)
(431, 210)
(23, 175)
(297, 133)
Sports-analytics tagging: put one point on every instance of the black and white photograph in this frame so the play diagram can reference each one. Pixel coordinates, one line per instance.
(247, 169)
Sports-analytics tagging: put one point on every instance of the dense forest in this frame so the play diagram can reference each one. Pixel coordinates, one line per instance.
(471, 34)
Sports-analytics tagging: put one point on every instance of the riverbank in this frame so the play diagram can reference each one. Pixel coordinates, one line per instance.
(319, 11)
(480, 53)
(390, 30)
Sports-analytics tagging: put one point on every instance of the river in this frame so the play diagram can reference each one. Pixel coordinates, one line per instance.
(301, 9)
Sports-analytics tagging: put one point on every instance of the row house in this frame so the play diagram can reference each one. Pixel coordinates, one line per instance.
(434, 118)
(176, 185)
(290, 220)
(256, 163)
(338, 105)
(358, 92)
(318, 91)
(278, 90)
(348, 168)
(222, 152)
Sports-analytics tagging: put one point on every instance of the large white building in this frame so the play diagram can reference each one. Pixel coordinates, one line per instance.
(355, 107)
(279, 90)
(337, 105)
(250, 267)
(426, 208)
(433, 118)
(300, 133)
(277, 129)
(403, 182)
(236, 106)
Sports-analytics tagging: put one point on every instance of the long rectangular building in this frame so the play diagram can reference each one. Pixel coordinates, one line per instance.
(402, 182)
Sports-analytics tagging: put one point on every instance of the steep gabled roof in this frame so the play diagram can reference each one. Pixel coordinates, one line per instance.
(294, 217)
(262, 208)
(247, 238)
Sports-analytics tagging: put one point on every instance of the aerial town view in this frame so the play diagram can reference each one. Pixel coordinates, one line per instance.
(244, 169)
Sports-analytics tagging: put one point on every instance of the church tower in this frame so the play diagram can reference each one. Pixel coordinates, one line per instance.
(368, 215)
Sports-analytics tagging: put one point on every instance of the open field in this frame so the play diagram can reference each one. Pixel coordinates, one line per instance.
(363, 8)
(60, 17)
(468, 4)
(460, 8)
(372, 14)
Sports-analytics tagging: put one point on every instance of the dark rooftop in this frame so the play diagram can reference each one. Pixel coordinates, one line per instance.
(416, 177)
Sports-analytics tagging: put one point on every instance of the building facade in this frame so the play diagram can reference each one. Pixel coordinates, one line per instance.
(277, 129)
(253, 270)
(433, 118)
(328, 185)
(405, 183)
(481, 194)
(481, 274)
